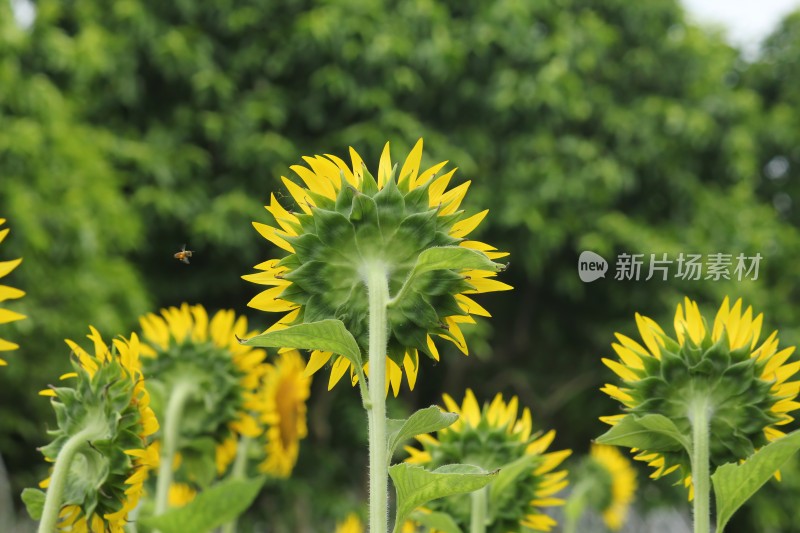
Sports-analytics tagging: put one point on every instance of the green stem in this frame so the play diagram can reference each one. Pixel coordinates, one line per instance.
(378, 292)
(61, 469)
(479, 507)
(169, 441)
(699, 415)
(238, 472)
(573, 509)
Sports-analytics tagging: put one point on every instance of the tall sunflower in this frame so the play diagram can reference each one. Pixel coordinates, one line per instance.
(8, 293)
(100, 446)
(493, 437)
(185, 351)
(345, 219)
(282, 400)
(746, 384)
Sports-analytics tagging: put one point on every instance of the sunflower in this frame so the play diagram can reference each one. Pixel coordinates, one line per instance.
(745, 383)
(345, 220)
(107, 417)
(182, 347)
(607, 482)
(8, 293)
(283, 399)
(492, 437)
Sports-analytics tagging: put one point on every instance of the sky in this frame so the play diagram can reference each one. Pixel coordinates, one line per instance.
(746, 22)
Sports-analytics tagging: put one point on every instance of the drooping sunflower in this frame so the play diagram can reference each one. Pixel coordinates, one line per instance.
(746, 383)
(107, 415)
(493, 437)
(283, 397)
(182, 348)
(345, 218)
(8, 293)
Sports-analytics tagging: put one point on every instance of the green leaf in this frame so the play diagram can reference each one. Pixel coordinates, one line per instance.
(734, 484)
(509, 474)
(439, 521)
(416, 486)
(327, 335)
(34, 502)
(211, 508)
(455, 258)
(423, 421)
(655, 433)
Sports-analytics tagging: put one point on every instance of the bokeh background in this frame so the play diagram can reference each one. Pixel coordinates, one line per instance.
(129, 128)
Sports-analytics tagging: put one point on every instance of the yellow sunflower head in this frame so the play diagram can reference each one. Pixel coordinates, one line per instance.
(493, 437)
(282, 400)
(746, 383)
(182, 347)
(8, 293)
(345, 219)
(108, 406)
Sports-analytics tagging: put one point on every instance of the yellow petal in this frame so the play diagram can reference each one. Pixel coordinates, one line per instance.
(410, 166)
(384, 167)
(269, 300)
(7, 266)
(463, 228)
(273, 235)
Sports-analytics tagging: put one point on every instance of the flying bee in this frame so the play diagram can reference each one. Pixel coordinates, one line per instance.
(183, 255)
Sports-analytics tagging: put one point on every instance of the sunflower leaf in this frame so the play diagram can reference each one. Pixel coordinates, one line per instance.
(734, 484)
(416, 486)
(654, 433)
(439, 521)
(210, 509)
(34, 502)
(326, 335)
(423, 421)
(454, 258)
(509, 475)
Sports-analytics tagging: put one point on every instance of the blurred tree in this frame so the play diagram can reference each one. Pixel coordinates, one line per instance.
(73, 226)
(607, 126)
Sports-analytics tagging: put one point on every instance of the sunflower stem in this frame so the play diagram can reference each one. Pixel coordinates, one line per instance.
(479, 507)
(181, 392)
(699, 415)
(378, 292)
(238, 472)
(58, 480)
(575, 506)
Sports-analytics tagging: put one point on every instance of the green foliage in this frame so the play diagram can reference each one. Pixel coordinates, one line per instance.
(211, 508)
(34, 502)
(416, 486)
(425, 420)
(327, 335)
(655, 433)
(734, 484)
(438, 521)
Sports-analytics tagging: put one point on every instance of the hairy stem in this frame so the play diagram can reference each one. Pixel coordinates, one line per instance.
(169, 441)
(58, 480)
(699, 415)
(378, 292)
(479, 507)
